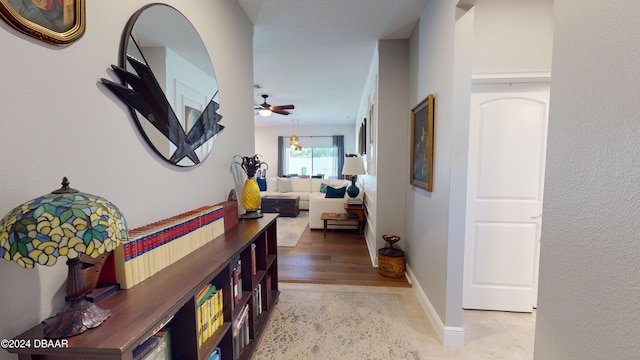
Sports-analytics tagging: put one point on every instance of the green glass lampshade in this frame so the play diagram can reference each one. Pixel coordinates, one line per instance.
(66, 223)
(60, 224)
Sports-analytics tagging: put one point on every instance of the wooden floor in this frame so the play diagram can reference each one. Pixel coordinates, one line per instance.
(340, 259)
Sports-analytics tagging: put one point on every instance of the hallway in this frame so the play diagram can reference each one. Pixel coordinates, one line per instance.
(341, 263)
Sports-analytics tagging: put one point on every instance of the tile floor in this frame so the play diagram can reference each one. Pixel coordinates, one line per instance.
(488, 334)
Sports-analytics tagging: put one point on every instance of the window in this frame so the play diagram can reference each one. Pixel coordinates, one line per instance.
(312, 161)
(319, 155)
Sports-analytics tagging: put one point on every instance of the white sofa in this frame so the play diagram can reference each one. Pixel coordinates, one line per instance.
(310, 196)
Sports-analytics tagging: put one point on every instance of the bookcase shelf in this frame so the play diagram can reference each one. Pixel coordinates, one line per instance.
(168, 298)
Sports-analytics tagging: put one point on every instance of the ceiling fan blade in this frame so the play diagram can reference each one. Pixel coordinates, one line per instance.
(282, 107)
(281, 112)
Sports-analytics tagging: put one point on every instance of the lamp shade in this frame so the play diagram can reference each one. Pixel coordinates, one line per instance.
(66, 223)
(353, 165)
(264, 112)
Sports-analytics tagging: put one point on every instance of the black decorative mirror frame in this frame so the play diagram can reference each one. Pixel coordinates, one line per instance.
(169, 84)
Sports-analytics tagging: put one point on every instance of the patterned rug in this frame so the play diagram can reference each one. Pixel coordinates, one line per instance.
(290, 229)
(308, 324)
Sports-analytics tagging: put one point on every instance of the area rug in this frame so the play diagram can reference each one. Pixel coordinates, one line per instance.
(290, 229)
(308, 324)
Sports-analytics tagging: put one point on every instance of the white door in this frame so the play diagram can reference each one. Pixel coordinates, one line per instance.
(507, 147)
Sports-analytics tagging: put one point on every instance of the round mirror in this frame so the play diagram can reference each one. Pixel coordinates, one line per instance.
(170, 83)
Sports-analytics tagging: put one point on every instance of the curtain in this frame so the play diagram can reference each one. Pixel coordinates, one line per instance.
(283, 148)
(338, 153)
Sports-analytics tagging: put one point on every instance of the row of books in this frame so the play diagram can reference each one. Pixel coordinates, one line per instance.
(241, 332)
(153, 247)
(157, 347)
(210, 314)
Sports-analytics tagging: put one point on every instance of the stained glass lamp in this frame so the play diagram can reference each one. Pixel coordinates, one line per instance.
(67, 223)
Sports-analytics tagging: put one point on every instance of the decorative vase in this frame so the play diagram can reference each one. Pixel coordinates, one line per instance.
(251, 191)
(251, 195)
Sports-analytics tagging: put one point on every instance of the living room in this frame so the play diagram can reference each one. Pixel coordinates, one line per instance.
(69, 125)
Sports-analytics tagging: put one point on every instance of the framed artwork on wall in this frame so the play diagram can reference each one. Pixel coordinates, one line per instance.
(422, 144)
(370, 135)
(57, 22)
(362, 139)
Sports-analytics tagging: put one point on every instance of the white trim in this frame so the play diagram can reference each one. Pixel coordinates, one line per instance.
(528, 77)
(373, 255)
(453, 336)
(448, 335)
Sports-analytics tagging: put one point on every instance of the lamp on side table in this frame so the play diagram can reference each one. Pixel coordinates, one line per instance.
(353, 166)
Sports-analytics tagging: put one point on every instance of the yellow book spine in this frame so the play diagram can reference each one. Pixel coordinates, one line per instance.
(220, 308)
(211, 314)
(135, 277)
(123, 267)
(215, 311)
(199, 324)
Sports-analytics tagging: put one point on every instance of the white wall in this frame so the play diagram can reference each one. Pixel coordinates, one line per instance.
(266, 141)
(500, 37)
(57, 120)
(368, 183)
(589, 295)
(432, 71)
(512, 36)
(391, 150)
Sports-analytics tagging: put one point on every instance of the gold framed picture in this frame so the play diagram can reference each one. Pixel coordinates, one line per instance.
(57, 22)
(422, 144)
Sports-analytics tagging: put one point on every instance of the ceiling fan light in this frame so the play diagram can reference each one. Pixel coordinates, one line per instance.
(264, 112)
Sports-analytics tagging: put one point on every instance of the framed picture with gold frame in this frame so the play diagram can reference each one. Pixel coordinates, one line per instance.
(422, 144)
(57, 22)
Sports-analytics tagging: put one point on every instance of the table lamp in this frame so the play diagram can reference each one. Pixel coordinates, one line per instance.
(353, 166)
(67, 223)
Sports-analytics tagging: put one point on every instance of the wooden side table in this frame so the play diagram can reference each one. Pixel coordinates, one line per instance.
(354, 213)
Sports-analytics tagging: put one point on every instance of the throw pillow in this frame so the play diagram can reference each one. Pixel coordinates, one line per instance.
(262, 184)
(323, 188)
(335, 193)
(284, 185)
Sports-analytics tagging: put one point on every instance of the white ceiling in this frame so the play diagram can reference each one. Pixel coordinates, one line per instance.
(316, 54)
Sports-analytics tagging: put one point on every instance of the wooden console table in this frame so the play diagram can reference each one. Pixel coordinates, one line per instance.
(168, 298)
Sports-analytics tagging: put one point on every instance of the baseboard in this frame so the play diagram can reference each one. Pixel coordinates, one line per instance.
(373, 254)
(453, 336)
(448, 335)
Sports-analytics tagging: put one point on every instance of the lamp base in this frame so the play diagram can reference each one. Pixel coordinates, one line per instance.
(251, 215)
(353, 190)
(75, 318)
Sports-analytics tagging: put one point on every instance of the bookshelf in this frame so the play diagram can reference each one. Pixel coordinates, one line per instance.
(168, 299)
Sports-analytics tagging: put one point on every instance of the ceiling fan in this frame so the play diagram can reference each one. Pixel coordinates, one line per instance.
(265, 109)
